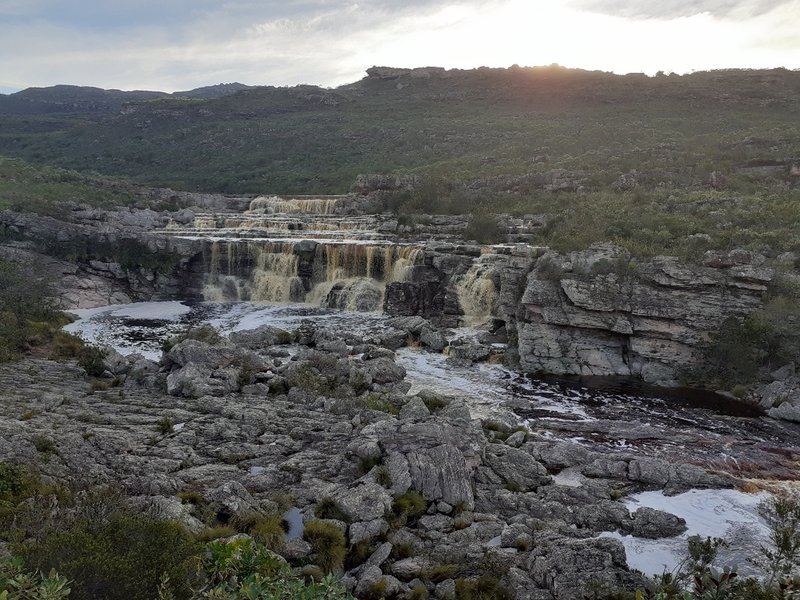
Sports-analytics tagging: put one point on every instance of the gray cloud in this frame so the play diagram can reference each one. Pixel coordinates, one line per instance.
(669, 9)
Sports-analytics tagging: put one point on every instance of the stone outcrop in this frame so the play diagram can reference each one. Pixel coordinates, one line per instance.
(598, 313)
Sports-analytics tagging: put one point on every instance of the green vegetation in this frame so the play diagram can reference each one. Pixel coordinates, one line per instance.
(124, 557)
(479, 124)
(92, 547)
(485, 587)
(49, 191)
(328, 508)
(743, 349)
(327, 544)
(407, 508)
(269, 530)
(30, 321)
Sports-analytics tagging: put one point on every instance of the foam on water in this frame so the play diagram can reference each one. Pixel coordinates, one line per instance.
(729, 514)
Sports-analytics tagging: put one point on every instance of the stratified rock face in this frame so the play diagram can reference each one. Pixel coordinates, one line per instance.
(598, 313)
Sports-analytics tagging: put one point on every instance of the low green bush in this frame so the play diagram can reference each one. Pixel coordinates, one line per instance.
(485, 587)
(327, 544)
(122, 558)
(328, 508)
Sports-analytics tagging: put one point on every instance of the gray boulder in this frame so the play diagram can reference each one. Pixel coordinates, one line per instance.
(260, 337)
(654, 524)
(441, 473)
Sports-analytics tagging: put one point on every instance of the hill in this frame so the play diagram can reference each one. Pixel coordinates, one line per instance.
(507, 130)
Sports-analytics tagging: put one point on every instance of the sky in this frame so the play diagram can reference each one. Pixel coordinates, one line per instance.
(172, 45)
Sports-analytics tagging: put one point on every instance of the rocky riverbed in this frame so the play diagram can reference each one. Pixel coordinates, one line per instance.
(532, 480)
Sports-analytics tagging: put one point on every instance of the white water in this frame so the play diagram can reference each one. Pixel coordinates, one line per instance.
(728, 514)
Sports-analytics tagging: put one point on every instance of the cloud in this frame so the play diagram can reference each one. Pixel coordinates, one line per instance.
(672, 9)
(181, 44)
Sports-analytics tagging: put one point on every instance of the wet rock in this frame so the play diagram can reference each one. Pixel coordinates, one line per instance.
(383, 370)
(446, 590)
(202, 355)
(232, 500)
(409, 568)
(296, 550)
(399, 473)
(433, 339)
(654, 524)
(516, 439)
(380, 555)
(260, 337)
(566, 567)
(412, 324)
(470, 352)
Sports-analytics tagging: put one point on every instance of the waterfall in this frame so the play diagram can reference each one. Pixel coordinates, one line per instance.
(476, 293)
(325, 205)
(350, 276)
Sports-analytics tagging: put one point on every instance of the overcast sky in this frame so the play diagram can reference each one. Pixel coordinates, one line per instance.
(181, 44)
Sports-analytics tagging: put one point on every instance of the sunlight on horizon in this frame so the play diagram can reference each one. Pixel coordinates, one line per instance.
(335, 46)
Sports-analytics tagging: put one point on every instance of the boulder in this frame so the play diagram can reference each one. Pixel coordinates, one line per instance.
(367, 501)
(441, 473)
(260, 337)
(516, 466)
(654, 524)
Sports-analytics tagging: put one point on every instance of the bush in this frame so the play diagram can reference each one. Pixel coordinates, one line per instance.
(327, 508)
(327, 544)
(270, 530)
(439, 573)
(408, 507)
(122, 558)
(17, 584)
(483, 228)
(486, 587)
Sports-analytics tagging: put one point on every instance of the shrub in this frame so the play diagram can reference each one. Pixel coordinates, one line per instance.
(327, 508)
(383, 477)
(17, 584)
(44, 444)
(210, 534)
(486, 587)
(408, 507)
(358, 554)
(164, 425)
(122, 558)
(270, 530)
(483, 228)
(439, 573)
(327, 544)
(91, 359)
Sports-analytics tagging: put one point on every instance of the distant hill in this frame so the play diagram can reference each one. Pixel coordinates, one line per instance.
(519, 130)
(214, 91)
(71, 99)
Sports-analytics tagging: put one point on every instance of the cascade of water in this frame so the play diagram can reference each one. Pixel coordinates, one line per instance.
(476, 293)
(276, 204)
